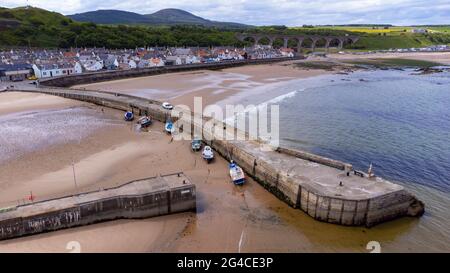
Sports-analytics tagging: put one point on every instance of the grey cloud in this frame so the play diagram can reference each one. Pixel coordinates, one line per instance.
(268, 12)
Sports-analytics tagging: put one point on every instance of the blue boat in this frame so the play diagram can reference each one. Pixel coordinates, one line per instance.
(236, 173)
(129, 116)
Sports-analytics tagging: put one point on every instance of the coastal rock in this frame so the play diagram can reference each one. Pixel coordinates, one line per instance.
(428, 70)
(416, 208)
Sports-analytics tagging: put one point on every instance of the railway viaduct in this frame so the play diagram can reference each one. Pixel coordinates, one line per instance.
(300, 39)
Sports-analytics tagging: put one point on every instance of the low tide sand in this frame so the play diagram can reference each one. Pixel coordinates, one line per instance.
(212, 86)
(439, 57)
(229, 218)
(219, 86)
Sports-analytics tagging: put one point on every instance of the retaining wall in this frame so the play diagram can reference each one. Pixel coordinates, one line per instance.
(269, 170)
(167, 200)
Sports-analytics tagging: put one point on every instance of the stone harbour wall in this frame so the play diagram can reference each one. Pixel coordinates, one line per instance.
(322, 206)
(161, 202)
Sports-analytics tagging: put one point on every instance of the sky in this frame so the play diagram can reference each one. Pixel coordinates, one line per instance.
(271, 12)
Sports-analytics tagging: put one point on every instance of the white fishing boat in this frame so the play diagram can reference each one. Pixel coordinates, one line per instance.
(145, 121)
(196, 144)
(208, 154)
(167, 106)
(236, 173)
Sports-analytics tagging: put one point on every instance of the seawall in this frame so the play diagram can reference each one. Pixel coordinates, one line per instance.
(66, 81)
(136, 199)
(328, 190)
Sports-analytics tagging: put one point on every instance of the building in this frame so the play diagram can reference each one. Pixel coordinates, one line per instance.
(419, 30)
(15, 72)
(173, 60)
(56, 70)
(92, 65)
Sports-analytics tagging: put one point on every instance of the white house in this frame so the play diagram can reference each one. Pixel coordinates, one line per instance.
(156, 62)
(190, 59)
(93, 65)
(132, 64)
(56, 70)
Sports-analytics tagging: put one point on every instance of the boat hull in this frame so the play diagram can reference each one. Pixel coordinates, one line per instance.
(237, 175)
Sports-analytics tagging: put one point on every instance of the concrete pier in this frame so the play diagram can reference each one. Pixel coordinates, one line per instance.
(328, 190)
(136, 199)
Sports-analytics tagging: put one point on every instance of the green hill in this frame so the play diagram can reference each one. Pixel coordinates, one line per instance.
(110, 17)
(29, 26)
(164, 17)
(34, 27)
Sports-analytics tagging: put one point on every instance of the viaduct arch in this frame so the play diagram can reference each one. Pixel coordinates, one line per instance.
(300, 39)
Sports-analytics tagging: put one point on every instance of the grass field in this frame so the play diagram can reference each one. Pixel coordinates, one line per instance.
(393, 37)
(443, 29)
(370, 30)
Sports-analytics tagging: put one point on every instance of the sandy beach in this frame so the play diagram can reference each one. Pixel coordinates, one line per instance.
(220, 87)
(213, 86)
(439, 57)
(249, 219)
(111, 151)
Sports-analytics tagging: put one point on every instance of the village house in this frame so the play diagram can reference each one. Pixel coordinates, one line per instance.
(110, 61)
(55, 70)
(173, 60)
(156, 62)
(92, 65)
(15, 72)
(287, 52)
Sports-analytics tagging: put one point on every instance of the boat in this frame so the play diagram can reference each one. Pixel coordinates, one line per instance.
(196, 144)
(236, 173)
(208, 154)
(129, 116)
(167, 106)
(169, 128)
(145, 121)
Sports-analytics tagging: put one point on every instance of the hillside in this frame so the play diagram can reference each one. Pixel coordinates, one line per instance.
(28, 26)
(110, 17)
(34, 27)
(167, 17)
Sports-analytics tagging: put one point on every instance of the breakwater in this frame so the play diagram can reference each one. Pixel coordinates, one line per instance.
(136, 199)
(326, 189)
(66, 81)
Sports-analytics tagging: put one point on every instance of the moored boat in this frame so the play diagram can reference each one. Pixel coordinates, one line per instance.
(129, 116)
(196, 144)
(169, 127)
(208, 154)
(145, 121)
(236, 173)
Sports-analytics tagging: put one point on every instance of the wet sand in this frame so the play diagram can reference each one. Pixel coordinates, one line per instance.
(212, 86)
(229, 218)
(439, 57)
(232, 85)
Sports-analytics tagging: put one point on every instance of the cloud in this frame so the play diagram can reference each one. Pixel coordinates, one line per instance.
(272, 12)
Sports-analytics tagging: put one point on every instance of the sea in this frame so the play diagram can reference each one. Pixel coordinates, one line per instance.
(398, 120)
